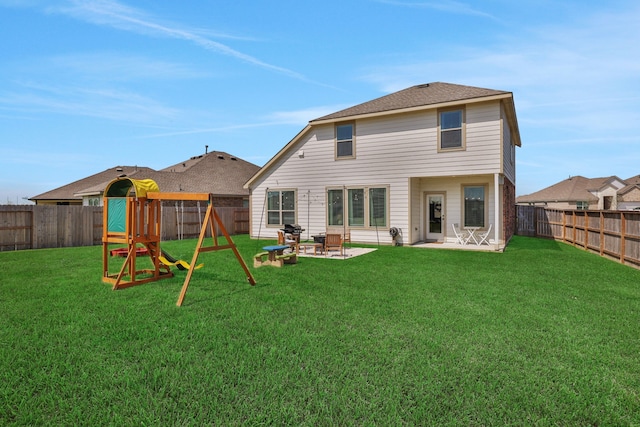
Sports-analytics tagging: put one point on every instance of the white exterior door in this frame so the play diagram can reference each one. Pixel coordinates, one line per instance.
(435, 218)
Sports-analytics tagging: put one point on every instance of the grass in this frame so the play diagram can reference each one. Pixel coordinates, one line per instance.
(543, 334)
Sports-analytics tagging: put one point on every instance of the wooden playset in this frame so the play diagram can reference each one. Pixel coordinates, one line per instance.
(132, 217)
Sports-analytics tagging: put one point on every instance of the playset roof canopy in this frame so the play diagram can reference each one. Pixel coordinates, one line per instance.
(122, 187)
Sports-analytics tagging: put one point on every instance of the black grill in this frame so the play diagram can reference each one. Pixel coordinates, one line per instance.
(293, 229)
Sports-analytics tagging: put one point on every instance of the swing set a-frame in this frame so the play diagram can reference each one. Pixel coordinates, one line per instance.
(132, 217)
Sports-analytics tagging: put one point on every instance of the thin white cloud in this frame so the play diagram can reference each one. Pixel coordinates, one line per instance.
(113, 66)
(303, 116)
(120, 16)
(448, 6)
(90, 85)
(103, 103)
(297, 118)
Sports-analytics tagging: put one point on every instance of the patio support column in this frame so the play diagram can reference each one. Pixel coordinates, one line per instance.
(497, 181)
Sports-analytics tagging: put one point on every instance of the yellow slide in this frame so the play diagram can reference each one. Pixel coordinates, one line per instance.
(167, 259)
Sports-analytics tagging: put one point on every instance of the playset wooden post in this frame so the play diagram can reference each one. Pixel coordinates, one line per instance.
(132, 219)
(211, 220)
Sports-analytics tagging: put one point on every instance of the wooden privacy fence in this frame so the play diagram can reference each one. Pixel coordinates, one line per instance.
(614, 234)
(52, 226)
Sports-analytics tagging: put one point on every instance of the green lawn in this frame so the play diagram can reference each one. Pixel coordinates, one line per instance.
(543, 334)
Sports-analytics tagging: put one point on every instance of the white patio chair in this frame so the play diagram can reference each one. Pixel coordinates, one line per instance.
(462, 238)
(484, 236)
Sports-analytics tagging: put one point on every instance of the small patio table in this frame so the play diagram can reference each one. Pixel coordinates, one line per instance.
(472, 234)
(275, 250)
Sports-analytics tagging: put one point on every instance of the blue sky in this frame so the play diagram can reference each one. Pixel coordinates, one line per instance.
(86, 85)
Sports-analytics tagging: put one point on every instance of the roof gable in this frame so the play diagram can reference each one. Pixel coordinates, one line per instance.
(415, 98)
(579, 188)
(216, 172)
(633, 180)
(424, 95)
(573, 189)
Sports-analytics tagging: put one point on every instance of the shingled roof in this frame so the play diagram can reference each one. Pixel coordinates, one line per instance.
(68, 192)
(215, 172)
(415, 97)
(572, 189)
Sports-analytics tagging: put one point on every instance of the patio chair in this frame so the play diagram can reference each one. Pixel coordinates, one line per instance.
(347, 237)
(332, 242)
(484, 236)
(462, 238)
(283, 240)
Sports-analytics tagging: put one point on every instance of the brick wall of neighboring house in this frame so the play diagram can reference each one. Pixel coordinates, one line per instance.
(509, 203)
(631, 196)
(218, 202)
(228, 202)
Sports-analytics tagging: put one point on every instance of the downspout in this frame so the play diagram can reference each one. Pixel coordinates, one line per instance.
(496, 202)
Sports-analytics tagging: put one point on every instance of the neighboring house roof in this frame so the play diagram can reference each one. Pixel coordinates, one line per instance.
(573, 189)
(633, 182)
(216, 172)
(68, 191)
(415, 98)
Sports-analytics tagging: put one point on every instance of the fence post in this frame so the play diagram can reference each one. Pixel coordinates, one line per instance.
(623, 227)
(601, 233)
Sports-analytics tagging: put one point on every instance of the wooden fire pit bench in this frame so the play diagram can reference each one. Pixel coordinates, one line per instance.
(274, 256)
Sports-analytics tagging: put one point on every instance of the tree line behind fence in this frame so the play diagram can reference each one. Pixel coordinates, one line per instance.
(51, 226)
(613, 234)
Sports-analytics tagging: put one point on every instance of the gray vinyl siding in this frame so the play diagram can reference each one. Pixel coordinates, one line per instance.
(509, 165)
(408, 145)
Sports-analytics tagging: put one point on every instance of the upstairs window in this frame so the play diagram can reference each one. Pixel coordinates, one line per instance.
(344, 141)
(451, 134)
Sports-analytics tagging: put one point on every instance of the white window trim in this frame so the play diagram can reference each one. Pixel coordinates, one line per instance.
(353, 141)
(367, 213)
(486, 203)
(295, 207)
(463, 144)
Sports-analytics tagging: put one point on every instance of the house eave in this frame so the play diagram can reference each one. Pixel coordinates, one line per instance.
(87, 193)
(507, 96)
(412, 109)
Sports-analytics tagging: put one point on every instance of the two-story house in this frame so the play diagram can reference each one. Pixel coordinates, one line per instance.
(418, 160)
